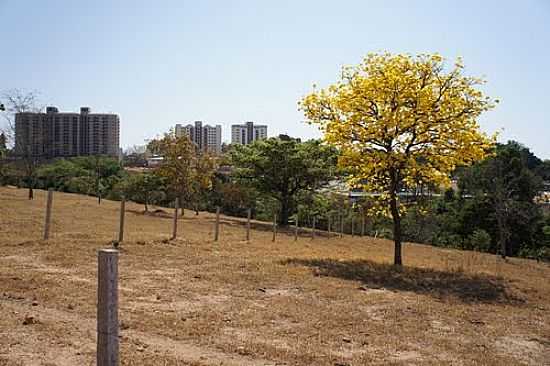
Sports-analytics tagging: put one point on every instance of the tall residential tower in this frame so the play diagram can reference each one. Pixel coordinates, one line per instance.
(247, 133)
(206, 138)
(53, 134)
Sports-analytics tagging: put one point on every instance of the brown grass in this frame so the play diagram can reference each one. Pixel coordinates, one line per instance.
(192, 301)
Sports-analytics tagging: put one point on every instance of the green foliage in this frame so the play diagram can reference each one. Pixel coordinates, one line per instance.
(233, 199)
(543, 170)
(480, 240)
(91, 175)
(146, 188)
(507, 182)
(187, 172)
(283, 168)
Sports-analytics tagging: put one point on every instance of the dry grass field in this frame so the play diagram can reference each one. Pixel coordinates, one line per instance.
(192, 301)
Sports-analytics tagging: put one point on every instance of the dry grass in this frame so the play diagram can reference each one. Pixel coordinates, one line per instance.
(328, 301)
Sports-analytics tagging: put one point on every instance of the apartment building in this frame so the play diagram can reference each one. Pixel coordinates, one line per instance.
(247, 133)
(206, 137)
(54, 134)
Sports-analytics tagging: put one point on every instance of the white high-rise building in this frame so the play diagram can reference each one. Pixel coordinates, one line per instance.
(247, 133)
(207, 138)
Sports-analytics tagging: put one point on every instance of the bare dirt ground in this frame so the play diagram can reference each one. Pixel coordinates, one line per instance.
(193, 301)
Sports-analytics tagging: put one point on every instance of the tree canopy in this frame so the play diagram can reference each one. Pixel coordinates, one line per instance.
(186, 170)
(506, 181)
(399, 121)
(282, 168)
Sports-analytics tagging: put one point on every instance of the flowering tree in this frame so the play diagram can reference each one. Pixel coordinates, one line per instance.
(401, 120)
(186, 170)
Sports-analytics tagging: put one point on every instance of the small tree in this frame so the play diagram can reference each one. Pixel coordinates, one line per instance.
(143, 187)
(16, 101)
(27, 163)
(205, 166)
(398, 120)
(185, 169)
(4, 168)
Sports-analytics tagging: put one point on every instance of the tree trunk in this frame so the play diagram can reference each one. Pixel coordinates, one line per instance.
(502, 232)
(31, 193)
(285, 208)
(394, 208)
(396, 230)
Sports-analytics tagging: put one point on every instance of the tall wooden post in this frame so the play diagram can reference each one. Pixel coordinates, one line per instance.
(48, 214)
(341, 224)
(274, 226)
(175, 226)
(107, 308)
(296, 228)
(217, 226)
(328, 224)
(313, 228)
(122, 212)
(248, 215)
(362, 223)
(352, 224)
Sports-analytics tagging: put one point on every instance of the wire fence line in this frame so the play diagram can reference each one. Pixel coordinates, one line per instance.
(330, 225)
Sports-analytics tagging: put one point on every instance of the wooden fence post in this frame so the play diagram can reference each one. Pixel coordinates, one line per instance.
(328, 224)
(274, 226)
(362, 223)
(48, 214)
(107, 308)
(122, 212)
(248, 215)
(296, 228)
(175, 226)
(341, 224)
(313, 228)
(217, 226)
(352, 224)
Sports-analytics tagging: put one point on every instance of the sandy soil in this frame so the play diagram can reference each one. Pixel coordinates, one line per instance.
(192, 301)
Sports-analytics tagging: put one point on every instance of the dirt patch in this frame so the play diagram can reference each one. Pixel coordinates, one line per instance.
(531, 351)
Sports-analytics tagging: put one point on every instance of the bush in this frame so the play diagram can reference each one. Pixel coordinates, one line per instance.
(480, 240)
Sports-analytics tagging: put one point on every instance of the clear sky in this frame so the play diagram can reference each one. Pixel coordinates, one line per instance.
(158, 63)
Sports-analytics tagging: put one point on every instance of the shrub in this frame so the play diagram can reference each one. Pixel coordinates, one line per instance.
(480, 240)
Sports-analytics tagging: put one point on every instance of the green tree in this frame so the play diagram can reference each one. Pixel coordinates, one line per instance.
(146, 188)
(543, 170)
(282, 168)
(507, 183)
(95, 175)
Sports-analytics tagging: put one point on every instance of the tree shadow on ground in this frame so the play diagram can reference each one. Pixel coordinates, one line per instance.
(444, 285)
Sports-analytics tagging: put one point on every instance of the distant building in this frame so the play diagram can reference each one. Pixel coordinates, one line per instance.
(53, 134)
(207, 138)
(154, 161)
(247, 133)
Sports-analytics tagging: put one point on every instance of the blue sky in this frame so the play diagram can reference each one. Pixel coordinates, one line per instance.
(165, 62)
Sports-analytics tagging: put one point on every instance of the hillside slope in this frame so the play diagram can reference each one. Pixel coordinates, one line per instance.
(192, 301)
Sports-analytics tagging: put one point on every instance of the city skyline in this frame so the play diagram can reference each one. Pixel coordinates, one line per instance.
(245, 61)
